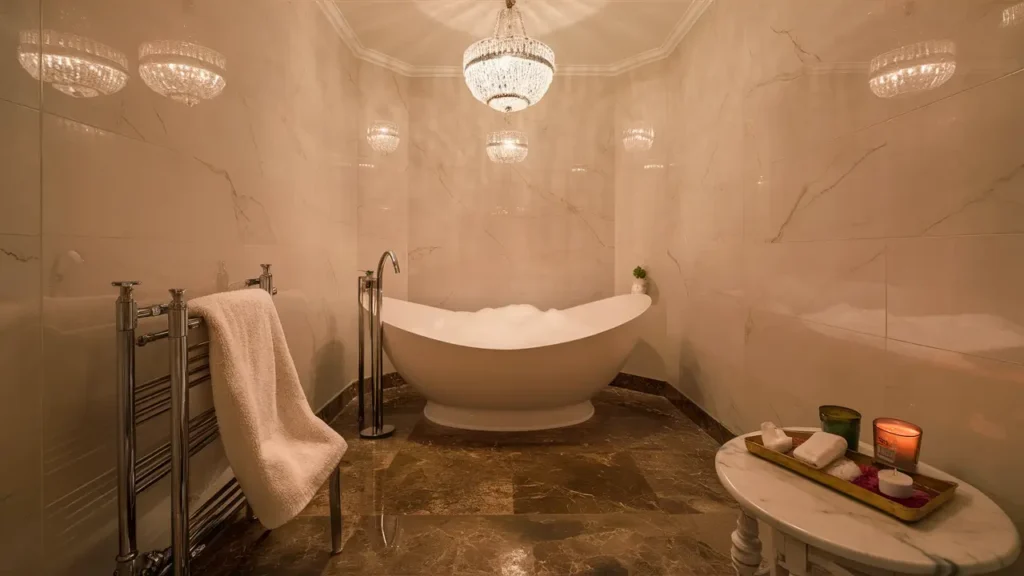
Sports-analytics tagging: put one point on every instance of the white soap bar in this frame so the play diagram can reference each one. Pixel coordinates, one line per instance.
(895, 484)
(820, 450)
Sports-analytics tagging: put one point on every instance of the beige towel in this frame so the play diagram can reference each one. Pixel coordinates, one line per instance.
(280, 451)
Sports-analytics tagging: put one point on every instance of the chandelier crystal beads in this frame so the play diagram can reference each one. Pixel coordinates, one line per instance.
(638, 138)
(182, 71)
(507, 146)
(72, 64)
(383, 136)
(509, 71)
(1013, 15)
(913, 68)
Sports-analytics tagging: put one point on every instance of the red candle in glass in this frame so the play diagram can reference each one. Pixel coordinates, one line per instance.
(897, 443)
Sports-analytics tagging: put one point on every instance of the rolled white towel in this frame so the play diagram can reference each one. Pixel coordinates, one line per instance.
(774, 438)
(820, 450)
(844, 469)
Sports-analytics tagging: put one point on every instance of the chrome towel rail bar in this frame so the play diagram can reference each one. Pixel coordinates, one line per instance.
(136, 404)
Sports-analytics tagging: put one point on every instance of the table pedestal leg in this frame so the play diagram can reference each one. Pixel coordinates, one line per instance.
(746, 546)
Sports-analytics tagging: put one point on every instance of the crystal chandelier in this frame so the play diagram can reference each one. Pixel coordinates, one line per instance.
(74, 65)
(1013, 15)
(913, 68)
(638, 138)
(184, 72)
(507, 146)
(509, 71)
(383, 136)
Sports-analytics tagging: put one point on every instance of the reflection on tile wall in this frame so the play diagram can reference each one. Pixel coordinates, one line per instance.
(133, 185)
(810, 242)
(540, 232)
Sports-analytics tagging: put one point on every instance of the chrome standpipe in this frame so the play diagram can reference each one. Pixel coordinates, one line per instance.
(375, 289)
(126, 320)
(367, 286)
(177, 327)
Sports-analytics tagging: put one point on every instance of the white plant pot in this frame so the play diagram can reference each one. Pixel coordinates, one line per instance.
(639, 286)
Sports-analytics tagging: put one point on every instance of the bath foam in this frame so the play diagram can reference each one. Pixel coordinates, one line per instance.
(509, 327)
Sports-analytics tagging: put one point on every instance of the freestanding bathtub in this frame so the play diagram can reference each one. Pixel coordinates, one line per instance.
(534, 388)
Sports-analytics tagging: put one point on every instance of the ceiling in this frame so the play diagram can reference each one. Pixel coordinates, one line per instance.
(589, 37)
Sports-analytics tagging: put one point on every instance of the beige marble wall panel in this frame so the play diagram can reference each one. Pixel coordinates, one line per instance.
(832, 246)
(135, 186)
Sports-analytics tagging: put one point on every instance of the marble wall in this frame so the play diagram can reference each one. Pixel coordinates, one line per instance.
(812, 243)
(135, 186)
(384, 182)
(540, 232)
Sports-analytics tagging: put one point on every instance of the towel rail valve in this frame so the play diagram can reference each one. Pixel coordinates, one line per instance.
(265, 281)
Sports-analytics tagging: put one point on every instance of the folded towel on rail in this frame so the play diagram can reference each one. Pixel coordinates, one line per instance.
(281, 453)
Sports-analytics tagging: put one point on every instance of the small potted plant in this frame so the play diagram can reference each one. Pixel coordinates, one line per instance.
(639, 280)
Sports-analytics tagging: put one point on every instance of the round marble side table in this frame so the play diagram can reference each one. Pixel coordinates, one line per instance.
(813, 526)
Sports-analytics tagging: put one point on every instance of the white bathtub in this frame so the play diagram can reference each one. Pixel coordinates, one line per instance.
(535, 388)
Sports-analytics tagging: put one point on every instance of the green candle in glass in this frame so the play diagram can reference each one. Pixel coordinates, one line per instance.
(841, 421)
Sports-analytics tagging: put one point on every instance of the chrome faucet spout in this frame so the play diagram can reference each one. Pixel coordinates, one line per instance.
(394, 260)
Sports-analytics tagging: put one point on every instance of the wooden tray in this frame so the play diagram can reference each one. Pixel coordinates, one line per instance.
(940, 491)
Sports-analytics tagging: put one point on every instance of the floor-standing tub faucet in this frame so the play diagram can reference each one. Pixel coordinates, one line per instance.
(377, 428)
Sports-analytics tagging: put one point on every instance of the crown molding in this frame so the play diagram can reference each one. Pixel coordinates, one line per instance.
(349, 37)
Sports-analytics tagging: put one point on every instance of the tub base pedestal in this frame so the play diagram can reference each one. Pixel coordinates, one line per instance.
(508, 420)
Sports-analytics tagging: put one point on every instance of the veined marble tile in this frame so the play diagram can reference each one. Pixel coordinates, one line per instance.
(17, 17)
(793, 366)
(483, 234)
(969, 410)
(839, 283)
(19, 162)
(21, 399)
(828, 193)
(105, 185)
(809, 82)
(955, 167)
(958, 293)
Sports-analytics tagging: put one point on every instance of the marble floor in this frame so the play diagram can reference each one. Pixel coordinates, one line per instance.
(632, 491)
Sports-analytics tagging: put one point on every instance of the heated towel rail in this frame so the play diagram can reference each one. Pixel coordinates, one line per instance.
(139, 403)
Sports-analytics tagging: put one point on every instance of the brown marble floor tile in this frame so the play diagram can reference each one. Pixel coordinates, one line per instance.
(623, 420)
(632, 545)
(632, 491)
(452, 481)
(621, 402)
(299, 548)
(528, 545)
(684, 483)
(580, 483)
(434, 545)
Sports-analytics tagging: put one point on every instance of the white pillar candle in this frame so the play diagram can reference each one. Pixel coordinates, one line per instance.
(895, 484)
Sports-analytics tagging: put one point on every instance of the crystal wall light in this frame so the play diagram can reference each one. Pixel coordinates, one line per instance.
(182, 71)
(913, 68)
(507, 146)
(383, 136)
(72, 64)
